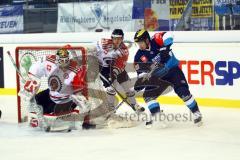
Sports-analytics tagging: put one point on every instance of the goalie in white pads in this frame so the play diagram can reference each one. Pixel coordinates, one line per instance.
(65, 78)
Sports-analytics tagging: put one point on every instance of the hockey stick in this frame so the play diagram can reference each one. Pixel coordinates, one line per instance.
(124, 99)
(15, 66)
(129, 43)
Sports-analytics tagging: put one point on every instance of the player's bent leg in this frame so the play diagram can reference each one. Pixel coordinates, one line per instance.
(110, 96)
(156, 88)
(150, 96)
(177, 78)
(184, 93)
(130, 93)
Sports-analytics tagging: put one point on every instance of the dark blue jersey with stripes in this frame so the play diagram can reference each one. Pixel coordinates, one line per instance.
(144, 58)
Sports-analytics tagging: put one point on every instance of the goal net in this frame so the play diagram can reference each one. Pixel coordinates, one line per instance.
(38, 53)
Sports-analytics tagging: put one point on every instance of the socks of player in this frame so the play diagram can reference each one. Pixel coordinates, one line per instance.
(153, 106)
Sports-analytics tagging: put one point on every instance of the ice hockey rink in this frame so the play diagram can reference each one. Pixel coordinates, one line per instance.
(218, 138)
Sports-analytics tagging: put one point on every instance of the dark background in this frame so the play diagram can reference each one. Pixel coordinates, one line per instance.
(1, 68)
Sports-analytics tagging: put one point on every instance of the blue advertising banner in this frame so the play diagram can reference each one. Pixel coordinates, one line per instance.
(227, 7)
(139, 7)
(11, 19)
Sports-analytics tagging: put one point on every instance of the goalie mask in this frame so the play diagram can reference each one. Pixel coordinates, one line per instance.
(62, 57)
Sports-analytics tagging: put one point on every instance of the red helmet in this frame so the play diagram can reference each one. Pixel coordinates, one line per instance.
(158, 37)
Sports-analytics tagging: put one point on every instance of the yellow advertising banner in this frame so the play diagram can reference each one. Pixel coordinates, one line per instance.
(200, 8)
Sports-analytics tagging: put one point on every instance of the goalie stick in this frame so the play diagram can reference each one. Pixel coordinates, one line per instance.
(15, 66)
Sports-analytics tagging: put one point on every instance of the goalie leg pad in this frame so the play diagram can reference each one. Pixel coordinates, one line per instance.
(56, 123)
(35, 113)
(33, 119)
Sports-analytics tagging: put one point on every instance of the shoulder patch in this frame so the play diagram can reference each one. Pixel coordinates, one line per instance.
(51, 58)
(144, 58)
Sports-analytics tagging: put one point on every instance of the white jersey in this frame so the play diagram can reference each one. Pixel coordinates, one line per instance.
(59, 81)
(105, 52)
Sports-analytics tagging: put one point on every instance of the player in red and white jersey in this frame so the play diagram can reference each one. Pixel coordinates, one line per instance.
(113, 55)
(65, 79)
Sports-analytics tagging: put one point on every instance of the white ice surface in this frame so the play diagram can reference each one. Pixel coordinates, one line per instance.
(217, 139)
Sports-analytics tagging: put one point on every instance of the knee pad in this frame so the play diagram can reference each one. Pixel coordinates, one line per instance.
(130, 94)
(110, 91)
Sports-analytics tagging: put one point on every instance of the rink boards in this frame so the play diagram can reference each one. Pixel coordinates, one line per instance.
(210, 61)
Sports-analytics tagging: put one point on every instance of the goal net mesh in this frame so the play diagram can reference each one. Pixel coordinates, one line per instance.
(30, 55)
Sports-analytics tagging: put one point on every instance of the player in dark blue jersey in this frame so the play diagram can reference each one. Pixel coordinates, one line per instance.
(156, 65)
